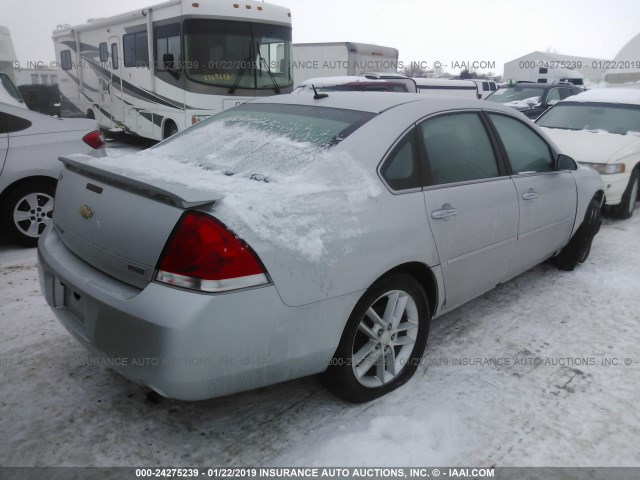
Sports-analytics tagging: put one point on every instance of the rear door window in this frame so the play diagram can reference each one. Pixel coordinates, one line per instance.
(12, 123)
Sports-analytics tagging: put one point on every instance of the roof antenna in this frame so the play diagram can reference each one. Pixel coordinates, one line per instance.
(316, 95)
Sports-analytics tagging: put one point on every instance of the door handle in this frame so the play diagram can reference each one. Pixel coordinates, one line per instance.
(445, 212)
(530, 195)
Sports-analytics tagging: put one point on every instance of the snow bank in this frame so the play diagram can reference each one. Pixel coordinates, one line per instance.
(290, 193)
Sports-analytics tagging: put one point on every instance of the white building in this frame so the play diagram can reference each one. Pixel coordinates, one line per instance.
(36, 76)
(625, 68)
(546, 67)
(7, 53)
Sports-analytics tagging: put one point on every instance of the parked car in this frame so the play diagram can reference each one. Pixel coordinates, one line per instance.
(41, 98)
(601, 129)
(355, 84)
(291, 236)
(485, 87)
(30, 144)
(533, 99)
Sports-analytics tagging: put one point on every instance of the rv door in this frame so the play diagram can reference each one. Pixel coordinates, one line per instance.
(115, 85)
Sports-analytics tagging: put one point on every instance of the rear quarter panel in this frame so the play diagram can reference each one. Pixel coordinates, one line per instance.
(358, 247)
(36, 154)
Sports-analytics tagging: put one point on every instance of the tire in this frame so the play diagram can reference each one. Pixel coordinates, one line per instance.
(90, 115)
(172, 130)
(27, 211)
(361, 370)
(629, 197)
(579, 247)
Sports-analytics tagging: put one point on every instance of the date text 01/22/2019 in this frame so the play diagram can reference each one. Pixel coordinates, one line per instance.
(577, 64)
(314, 472)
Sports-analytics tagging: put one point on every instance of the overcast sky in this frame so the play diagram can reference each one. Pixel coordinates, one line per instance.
(422, 30)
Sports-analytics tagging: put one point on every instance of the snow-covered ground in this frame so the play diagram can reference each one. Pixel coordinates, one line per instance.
(532, 373)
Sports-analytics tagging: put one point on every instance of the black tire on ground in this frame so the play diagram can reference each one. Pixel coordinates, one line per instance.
(627, 205)
(579, 247)
(26, 212)
(378, 351)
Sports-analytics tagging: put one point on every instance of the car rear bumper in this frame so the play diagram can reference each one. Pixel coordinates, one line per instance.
(186, 345)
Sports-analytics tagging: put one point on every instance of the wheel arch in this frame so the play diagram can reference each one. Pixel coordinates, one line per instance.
(26, 180)
(423, 275)
(167, 122)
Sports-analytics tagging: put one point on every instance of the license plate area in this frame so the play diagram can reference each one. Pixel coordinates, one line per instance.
(66, 297)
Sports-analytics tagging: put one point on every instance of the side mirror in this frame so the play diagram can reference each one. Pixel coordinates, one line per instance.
(565, 162)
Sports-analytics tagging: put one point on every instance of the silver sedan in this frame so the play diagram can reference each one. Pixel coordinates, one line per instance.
(303, 234)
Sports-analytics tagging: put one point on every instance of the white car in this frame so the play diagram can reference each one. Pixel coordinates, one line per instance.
(30, 144)
(601, 129)
(295, 235)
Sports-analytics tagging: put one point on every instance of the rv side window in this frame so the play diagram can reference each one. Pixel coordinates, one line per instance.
(104, 52)
(114, 56)
(136, 53)
(65, 59)
(543, 70)
(168, 42)
(542, 80)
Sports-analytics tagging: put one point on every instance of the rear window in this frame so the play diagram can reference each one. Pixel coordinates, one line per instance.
(320, 126)
(266, 138)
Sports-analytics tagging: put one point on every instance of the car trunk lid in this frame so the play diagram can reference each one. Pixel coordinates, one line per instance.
(118, 224)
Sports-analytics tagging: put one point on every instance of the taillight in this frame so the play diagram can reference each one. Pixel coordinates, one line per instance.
(94, 139)
(202, 254)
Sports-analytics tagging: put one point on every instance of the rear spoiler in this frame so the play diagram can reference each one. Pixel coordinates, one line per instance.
(175, 194)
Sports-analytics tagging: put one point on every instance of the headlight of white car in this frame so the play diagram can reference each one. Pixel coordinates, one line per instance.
(606, 169)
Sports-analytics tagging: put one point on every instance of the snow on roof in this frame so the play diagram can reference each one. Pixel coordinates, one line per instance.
(331, 81)
(560, 57)
(608, 95)
(362, 101)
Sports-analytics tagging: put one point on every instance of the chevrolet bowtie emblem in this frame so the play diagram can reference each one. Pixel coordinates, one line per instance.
(86, 212)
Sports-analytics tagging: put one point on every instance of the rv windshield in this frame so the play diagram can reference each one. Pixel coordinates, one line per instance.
(237, 54)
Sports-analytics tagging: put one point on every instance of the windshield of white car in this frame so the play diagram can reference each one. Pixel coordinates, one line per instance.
(508, 95)
(612, 118)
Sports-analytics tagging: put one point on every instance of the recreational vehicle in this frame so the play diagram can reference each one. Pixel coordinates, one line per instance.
(154, 72)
